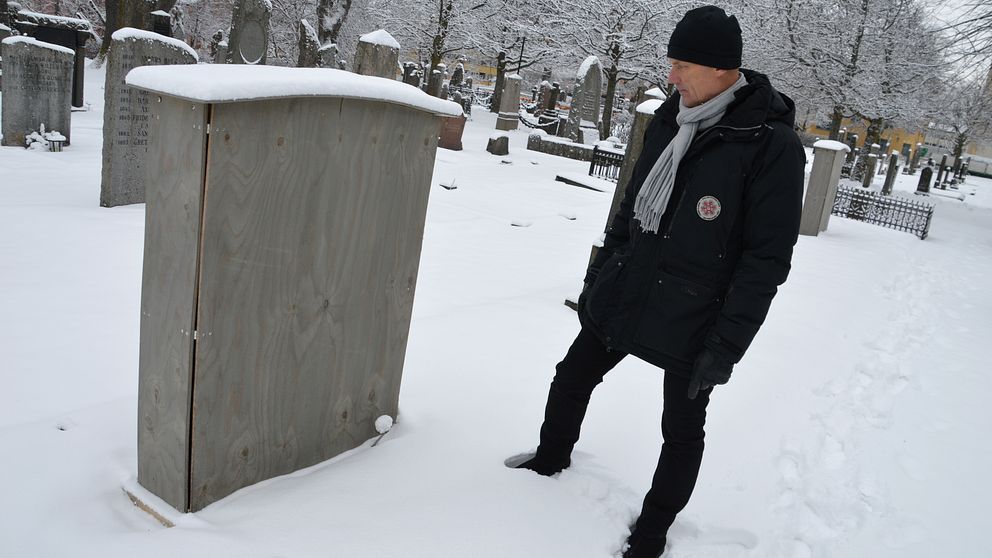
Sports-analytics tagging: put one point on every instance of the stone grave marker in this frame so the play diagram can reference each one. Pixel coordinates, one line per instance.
(499, 144)
(308, 46)
(68, 32)
(434, 84)
(923, 186)
(328, 55)
(377, 54)
(890, 174)
(940, 173)
(127, 123)
(509, 104)
(248, 41)
(37, 88)
(584, 114)
(458, 74)
(452, 128)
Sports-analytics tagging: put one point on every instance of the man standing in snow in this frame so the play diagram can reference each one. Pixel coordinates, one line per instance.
(691, 261)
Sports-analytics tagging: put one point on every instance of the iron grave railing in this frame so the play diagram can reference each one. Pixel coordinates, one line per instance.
(605, 164)
(888, 211)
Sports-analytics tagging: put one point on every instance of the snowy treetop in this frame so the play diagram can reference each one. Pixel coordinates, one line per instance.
(35, 42)
(831, 145)
(132, 33)
(223, 83)
(649, 106)
(586, 65)
(55, 21)
(380, 37)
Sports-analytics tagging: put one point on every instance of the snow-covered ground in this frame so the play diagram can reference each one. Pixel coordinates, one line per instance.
(854, 427)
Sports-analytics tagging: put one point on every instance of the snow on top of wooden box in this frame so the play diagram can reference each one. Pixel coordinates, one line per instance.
(831, 145)
(225, 83)
(35, 42)
(649, 106)
(132, 33)
(380, 37)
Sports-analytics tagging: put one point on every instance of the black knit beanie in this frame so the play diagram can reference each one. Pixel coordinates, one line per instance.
(707, 36)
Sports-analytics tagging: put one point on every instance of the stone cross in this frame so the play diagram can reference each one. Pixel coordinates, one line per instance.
(509, 108)
(248, 42)
(37, 88)
(584, 112)
(377, 54)
(127, 125)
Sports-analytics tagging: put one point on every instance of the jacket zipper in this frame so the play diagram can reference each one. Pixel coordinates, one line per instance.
(678, 206)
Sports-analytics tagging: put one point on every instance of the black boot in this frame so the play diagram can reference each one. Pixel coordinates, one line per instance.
(640, 546)
(545, 466)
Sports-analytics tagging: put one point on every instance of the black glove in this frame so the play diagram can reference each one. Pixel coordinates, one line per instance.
(710, 369)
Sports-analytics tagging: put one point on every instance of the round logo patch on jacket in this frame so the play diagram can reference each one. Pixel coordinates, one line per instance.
(708, 208)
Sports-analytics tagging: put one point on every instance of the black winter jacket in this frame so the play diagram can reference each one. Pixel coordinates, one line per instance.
(725, 241)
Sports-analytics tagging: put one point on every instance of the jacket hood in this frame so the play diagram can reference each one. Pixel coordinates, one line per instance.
(754, 104)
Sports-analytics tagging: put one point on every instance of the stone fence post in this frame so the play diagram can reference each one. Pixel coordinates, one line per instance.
(828, 158)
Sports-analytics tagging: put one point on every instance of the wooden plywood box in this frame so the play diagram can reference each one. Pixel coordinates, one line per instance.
(283, 237)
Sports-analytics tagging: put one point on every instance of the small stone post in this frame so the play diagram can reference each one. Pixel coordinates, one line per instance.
(828, 158)
(940, 173)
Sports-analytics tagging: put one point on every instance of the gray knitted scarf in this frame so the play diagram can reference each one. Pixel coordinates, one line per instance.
(657, 189)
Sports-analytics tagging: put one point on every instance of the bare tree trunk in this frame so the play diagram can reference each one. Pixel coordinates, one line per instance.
(130, 13)
(836, 119)
(959, 142)
(330, 17)
(500, 81)
(612, 75)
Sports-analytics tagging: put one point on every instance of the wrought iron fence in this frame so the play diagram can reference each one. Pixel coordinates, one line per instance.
(888, 211)
(605, 164)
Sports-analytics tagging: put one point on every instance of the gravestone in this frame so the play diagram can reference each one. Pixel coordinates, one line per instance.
(127, 123)
(458, 74)
(870, 161)
(923, 186)
(37, 88)
(162, 23)
(542, 96)
(308, 46)
(499, 144)
(915, 161)
(215, 42)
(71, 33)
(891, 174)
(452, 128)
(939, 183)
(248, 42)
(509, 108)
(377, 54)
(328, 56)
(553, 96)
(852, 142)
(434, 83)
(409, 69)
(584, 113)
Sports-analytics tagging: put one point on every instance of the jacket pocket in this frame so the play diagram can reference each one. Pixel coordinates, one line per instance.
(676, 317)
(601, 300)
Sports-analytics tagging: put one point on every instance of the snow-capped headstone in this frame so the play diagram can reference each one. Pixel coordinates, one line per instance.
(37, 88)
(584, 113)
(434, 83)
(509, 104)
(852, 142)
(328, 55)
(162, 23)
(309, 45)
(377, 54)
(215, 52)
(249, 38)
(458, 74)
(127, 116)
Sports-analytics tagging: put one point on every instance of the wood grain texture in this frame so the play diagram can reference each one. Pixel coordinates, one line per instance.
(313, 226)
(172, 223)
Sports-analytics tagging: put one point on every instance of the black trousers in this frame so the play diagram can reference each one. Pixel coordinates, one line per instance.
(682, 421)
